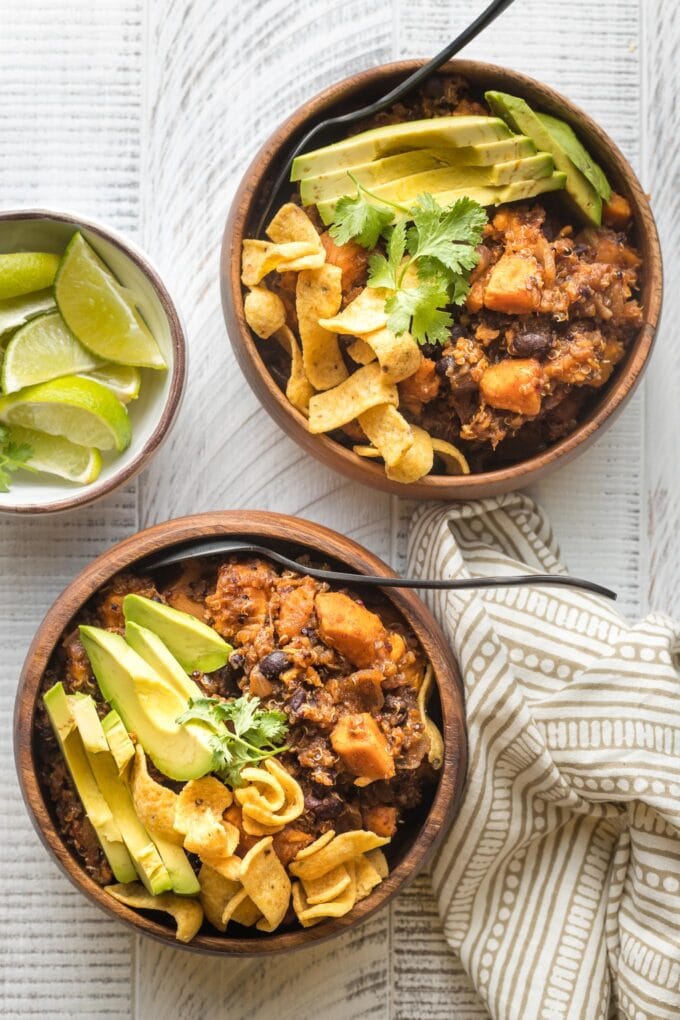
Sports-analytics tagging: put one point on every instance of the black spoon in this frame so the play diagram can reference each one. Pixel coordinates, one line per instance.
(401, 90)
(213, 547)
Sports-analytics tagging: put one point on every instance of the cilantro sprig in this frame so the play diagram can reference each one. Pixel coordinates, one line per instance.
(244, 733)
(12, 457)
(436, 244)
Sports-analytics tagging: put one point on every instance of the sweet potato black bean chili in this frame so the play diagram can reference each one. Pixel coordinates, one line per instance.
(346, 679)
(542, 318)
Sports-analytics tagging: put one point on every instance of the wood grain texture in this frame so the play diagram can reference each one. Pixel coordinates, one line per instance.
(159, 153)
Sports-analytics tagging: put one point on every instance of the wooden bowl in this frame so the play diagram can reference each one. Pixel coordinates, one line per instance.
(350, 94)
(416, 848)
(154, 411)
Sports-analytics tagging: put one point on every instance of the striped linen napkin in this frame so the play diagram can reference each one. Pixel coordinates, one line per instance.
(559, 883)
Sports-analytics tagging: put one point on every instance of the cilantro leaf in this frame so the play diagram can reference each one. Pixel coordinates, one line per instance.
(420, 311)
(252, 735)
(12, 457)
(357, 219)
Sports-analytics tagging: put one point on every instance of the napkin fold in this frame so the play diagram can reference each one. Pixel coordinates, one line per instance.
(559, 882)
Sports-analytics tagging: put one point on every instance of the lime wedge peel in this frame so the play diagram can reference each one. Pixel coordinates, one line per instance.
(24, 271)
(58, 456)
(100, 312)
(81, 410)
(43, 349)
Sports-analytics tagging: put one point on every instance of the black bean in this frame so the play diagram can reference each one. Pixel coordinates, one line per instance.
(533, 343)
(274, 664)
(323, 808)
(456, 332)
(443, 365)
(297, 701)
(236, 661)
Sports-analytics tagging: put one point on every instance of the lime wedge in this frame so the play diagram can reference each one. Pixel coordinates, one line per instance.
(24, 271)
(123, 380)
(79, 409)
(43, 349)
(57, 456)
(100, 311)
(14, 312)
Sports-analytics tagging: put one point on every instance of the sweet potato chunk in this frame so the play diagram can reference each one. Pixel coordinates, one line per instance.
(351, 258)
(289, 842)
(514, 285)
(350, 628)
(616, 212)
(514, 385)
(362, 746)
(296, 609)
(380, 819)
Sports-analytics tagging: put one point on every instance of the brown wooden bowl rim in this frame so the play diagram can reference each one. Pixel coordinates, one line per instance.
(342, 458)
(297, 531)
(173, 401)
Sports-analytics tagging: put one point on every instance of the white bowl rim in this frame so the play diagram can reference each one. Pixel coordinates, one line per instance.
(177, 330)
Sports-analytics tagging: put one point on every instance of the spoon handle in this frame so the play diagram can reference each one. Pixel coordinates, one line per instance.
(398, 92)
(221, 546)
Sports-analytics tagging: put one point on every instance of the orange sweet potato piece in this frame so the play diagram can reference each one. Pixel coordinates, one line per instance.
(616, 212)
(233, 815)
(362, 746)
(514, 285)
(289, 842)
(296, 609)
(351, 258)
(514, 385)
(350, 628)
(380, 819)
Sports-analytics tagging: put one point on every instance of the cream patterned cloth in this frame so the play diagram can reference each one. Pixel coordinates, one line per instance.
(559, 882)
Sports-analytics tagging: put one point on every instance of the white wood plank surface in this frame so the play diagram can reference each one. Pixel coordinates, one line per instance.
(145, 113)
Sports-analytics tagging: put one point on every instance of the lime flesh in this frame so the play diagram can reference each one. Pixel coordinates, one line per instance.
(100, 311)
(81, 410)
(24, 271)
(124, 381)
(43, 349)
(58, 456)
(15, 312)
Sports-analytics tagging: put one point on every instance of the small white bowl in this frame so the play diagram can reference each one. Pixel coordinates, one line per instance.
(153, 412)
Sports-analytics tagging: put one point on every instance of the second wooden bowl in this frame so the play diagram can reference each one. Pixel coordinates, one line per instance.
(289, 533)
(350, 94)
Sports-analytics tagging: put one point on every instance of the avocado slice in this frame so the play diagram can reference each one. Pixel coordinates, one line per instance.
(564, 134)
(435, 132)
(97, 810)
(163, 663)
(390, 168)
(148, 706)
(522, 118)
(182, 875)
(146, 858)
(486, 195)
(388, 178)
(89, 726)
(195, 645)
(118, 739)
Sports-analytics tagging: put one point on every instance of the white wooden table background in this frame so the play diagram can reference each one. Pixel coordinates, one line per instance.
(145, 113)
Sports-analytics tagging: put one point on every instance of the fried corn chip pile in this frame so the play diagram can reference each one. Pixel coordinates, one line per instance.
(320, 385)
(253, 888)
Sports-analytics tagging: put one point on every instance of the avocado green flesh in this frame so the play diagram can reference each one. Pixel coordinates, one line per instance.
(94, 804)
(565, 136)
(522, 118)
(118, 739)
(150, 647)
(407, 173)
(148, 706)
(146, 858)
(436, 132)
(485, 195)
(182, 875)
(194, 644)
